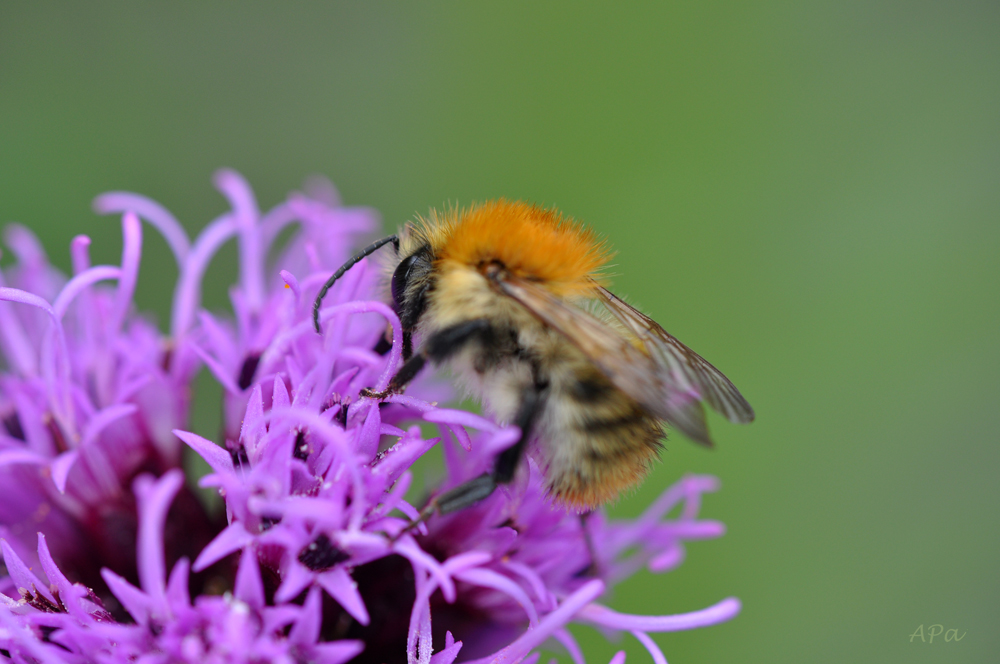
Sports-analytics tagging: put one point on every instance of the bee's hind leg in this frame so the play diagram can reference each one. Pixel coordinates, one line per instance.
(593, 568)
(508, 460)
(464, 495)
(479, 488)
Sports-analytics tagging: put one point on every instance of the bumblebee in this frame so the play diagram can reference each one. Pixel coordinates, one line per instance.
(512, 298)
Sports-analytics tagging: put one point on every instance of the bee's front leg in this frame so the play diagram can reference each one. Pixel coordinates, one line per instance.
(406, 373)
(439, 346)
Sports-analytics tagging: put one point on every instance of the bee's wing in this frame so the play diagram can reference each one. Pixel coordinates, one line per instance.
(634, 372)
(683, 369)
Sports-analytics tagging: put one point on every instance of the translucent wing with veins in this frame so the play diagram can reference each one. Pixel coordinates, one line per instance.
(663, 375)
(682, 370)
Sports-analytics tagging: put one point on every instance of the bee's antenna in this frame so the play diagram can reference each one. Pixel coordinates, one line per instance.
(370, 249)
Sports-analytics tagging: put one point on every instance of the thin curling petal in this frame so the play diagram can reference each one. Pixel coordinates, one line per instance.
(216, 457)
(24, 243)
(549, 624)
(103, 419)
(306, 629)
(461, 418)
(56, 359)
(187, 295)
(177, 584)
(72, 596)
(60, 467)
(292, 283)
(154, 498)
(490, 579)
(338, 652)
(231, 539)
(241, 197)
(717, 613)
(390, 316)
(340, 586)
(139, 605)
(131, 254)
(17, 348)
(17, 295)
(569, 643)
(450, 651)
(650, 645)
(157, 215)
(79, 251)
(80, 282)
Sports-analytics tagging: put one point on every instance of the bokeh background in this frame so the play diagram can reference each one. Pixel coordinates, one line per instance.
(805, 192)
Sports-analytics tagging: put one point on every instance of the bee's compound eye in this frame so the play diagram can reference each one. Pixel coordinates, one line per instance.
(400, 278)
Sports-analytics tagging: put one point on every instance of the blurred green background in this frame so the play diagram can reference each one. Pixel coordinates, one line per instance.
(805, 192)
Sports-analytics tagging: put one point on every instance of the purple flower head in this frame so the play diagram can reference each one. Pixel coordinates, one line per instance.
(322, 555)
(64, 622)
(89, 398)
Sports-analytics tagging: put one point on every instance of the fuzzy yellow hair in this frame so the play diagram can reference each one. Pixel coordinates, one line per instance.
(531, 242)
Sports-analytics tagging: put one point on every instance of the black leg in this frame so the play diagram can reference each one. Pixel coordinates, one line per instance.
(384, 345)
(406, 373)
(450, 340)
(471, 492)
(438, 347)
(506, 463)
(464, 495)
(594, 567)
(407, 344)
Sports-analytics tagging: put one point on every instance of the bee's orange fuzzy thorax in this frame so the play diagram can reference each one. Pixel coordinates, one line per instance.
(531, 242)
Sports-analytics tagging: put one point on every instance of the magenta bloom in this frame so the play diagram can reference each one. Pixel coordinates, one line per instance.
(315, 561)
(89, 399)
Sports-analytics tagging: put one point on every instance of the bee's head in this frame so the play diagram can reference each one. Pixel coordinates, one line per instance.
(409, 284)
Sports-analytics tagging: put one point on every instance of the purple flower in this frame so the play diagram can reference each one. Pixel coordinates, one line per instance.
(64, 622)
(89, 399)
(318, 558)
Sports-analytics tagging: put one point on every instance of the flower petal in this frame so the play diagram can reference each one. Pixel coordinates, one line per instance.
(139, 605)
(233, 538)
(548, 625)
(23, 576)
(450, 651)
(306, 628)
(157, 215)
(717, 613)
(249, 587)
(154, 497)
(217, 458)
(339, 584)
(651, 646)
